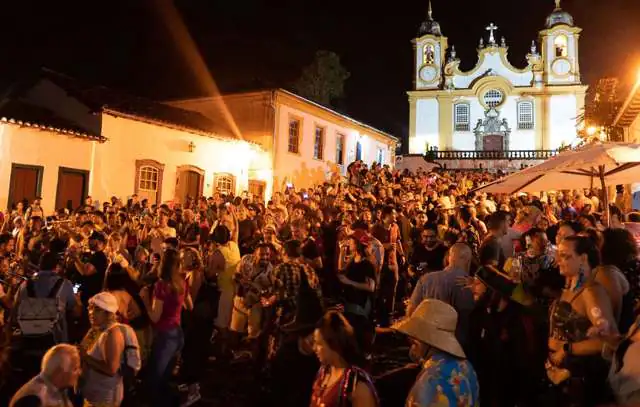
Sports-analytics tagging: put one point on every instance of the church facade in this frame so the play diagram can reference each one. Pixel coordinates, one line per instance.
(496, 106)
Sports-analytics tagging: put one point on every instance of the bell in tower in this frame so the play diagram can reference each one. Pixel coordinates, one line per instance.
(430, 53)
(559, 42)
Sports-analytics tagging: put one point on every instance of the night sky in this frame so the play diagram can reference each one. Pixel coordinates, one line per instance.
(256, 44)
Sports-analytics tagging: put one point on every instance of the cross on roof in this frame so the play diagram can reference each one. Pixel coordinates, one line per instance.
(491, 28)
(558, 3)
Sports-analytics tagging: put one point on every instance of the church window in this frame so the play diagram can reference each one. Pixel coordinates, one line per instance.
(462, 117)
(429, 54)
(493, 98)
(318, 144)
(340, 149)
(525, 115)
(294, 136)
(560, 45)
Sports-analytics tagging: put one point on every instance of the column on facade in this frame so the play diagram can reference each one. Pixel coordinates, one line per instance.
(540, 121)
(413, 101)
(445, 111)
(546, 130)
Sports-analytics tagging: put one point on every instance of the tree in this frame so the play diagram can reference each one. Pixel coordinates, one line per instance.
(601, 105)
(323, 80)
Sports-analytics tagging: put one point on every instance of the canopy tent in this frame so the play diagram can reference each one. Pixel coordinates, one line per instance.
(591, 166)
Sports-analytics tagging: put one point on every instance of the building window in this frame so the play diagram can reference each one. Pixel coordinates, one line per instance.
(224, 184)
(462, 117)
(525, 115)
(429, 54)
(560, 45)
(493, 98)
(148, 180)
(318, 144)
(358, 151)
(340, 149)
(294, 136)
(380, 157)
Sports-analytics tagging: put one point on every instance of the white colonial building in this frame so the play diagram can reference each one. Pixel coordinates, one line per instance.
(496, 106)
(63, 141)
(306, 141)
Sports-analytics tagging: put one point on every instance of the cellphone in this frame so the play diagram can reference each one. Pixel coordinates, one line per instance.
(76, 288)
(289, 185)
(305, 195)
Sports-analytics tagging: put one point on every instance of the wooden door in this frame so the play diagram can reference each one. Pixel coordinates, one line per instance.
(25, 183)
(72, 188)
(493, 142)
(191, 185)
(256, 188)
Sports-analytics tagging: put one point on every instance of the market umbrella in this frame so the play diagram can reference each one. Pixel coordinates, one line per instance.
(610, 163)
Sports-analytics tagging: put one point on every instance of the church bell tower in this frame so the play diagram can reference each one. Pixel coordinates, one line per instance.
(430, 54)
(560, 48)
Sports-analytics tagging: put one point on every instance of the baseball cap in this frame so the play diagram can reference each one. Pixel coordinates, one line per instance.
(105, 301)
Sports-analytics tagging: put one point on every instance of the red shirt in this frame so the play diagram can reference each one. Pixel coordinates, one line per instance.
(172, 303)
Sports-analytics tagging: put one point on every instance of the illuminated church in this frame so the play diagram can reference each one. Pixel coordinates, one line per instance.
(496, 106)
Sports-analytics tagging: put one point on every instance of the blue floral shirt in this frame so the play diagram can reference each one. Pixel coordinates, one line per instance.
(445, 381)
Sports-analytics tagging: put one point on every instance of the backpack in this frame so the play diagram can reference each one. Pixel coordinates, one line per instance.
(131, 359)
(41, 317)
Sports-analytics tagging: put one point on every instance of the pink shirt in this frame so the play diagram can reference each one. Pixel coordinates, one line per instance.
(171, 305)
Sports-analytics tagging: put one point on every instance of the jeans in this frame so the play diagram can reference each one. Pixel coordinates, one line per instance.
(164, 352)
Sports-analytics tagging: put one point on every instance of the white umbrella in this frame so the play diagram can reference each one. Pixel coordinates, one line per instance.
(611, 163)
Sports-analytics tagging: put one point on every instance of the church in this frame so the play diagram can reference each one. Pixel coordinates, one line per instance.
(496, 106)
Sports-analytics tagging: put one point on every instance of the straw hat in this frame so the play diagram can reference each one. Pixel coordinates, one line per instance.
(434, 323)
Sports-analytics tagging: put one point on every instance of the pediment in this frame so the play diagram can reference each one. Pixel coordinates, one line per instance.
(492, 61)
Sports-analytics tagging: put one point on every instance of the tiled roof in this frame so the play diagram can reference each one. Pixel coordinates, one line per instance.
(27, 115)
(98, 98)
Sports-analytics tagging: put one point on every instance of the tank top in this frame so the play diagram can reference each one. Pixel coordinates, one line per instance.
(566, 323)
(99, 388)
(231, 255)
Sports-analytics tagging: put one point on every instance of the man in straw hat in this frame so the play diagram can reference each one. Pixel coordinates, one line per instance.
(447, 377)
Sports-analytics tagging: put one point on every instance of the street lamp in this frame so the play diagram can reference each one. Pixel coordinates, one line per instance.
(591, 130)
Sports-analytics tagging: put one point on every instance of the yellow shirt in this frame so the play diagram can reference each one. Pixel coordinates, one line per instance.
(231, 254)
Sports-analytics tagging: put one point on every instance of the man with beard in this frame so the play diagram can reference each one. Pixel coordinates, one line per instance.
(253, 279)
(504, 347)
(429, 254)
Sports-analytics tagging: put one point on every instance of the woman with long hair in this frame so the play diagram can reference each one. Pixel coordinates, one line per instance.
(164, 306)
(580, 320)
(340, 381)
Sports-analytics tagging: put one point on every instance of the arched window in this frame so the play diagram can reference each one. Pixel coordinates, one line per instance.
(560, 45)
(225, 184)
(148, 180)
(429, 54)
(525, 115)
(462, 117)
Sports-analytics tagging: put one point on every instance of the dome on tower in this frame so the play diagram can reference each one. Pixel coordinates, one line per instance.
(559, 16)
(430, 26)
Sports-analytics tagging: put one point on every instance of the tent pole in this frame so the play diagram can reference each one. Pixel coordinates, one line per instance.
(605, 195)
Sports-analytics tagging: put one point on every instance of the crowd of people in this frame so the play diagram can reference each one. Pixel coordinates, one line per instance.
(504, 301)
